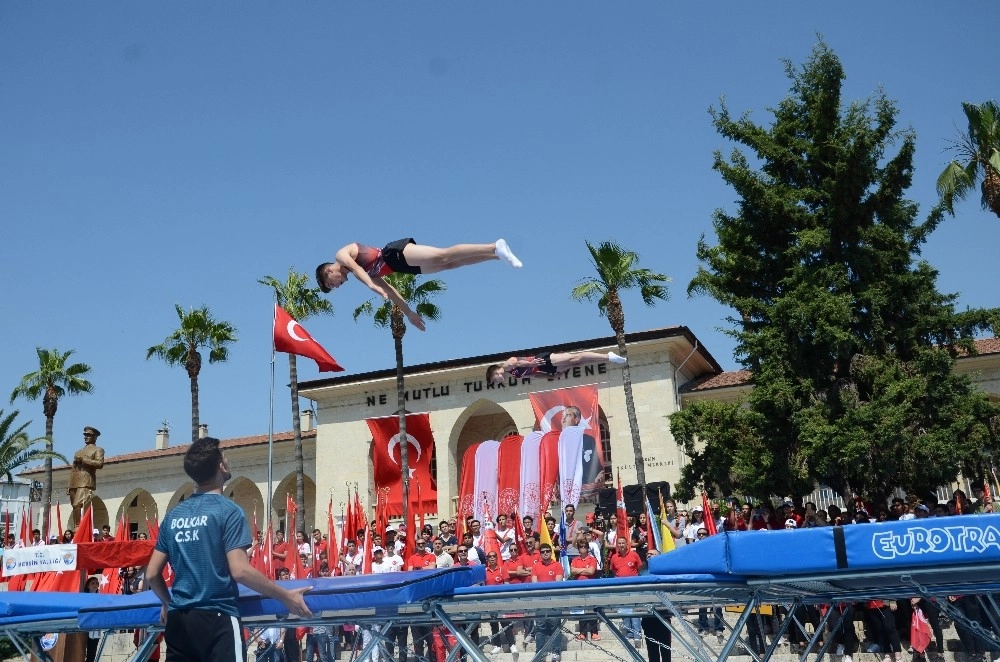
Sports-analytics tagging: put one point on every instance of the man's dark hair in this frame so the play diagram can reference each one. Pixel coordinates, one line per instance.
(319, 277)
(202, 459)
(492, 371)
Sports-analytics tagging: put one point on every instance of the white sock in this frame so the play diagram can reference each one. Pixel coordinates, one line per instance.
(614, 358)
(504, 253)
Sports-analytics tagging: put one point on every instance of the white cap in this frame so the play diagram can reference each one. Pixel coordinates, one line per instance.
(791, 523)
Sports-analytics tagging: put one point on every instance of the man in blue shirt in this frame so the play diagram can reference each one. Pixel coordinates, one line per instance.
(205, 539)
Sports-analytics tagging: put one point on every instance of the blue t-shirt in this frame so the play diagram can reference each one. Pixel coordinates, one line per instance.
(196, 536)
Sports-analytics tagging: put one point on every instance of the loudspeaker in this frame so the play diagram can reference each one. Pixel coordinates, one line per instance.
(607, 499)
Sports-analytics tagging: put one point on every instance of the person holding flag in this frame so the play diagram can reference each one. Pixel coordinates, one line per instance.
(670, 532)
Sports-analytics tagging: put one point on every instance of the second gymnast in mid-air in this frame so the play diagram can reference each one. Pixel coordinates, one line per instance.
(369, 265)
(549, 364)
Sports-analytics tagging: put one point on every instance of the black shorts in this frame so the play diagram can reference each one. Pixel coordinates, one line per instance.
(392, 255)
(204, 635)
(546, 368)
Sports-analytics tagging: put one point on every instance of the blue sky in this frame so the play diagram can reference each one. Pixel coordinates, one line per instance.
(162, 153)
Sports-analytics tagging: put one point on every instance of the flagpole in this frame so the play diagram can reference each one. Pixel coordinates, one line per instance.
(270, 416)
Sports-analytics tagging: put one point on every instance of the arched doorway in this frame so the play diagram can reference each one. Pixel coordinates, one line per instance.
(481, 420)
(282, 491)
(245, 494)
(138, 507)
(180, 495)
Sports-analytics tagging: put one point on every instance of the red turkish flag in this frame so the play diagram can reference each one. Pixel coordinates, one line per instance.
(291, 338)
(331, 533)
(622, 513)
(386, 458)
(112, 580)
(707, 516)
(519, 534)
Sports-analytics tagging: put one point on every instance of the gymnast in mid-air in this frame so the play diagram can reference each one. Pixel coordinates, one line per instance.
(369, 265)
(549, 364)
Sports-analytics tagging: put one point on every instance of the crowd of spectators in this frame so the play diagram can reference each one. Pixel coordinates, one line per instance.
(594, 548)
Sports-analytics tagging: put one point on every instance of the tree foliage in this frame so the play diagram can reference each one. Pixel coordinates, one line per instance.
(16, 446)
(617, 269)
(850, 344)
(55, 378)
(979, 150)
(198, 330)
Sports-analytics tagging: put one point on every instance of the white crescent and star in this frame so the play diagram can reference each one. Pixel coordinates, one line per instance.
(395, 441)
(290, 327)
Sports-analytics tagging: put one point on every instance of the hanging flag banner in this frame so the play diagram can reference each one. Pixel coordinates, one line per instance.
(581, 454)
(43, 558)
(530, 485)
(509, 477)
(487, 481)
(388, 465)
(467, 485)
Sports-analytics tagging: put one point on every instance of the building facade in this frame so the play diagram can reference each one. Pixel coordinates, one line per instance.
(669, 368)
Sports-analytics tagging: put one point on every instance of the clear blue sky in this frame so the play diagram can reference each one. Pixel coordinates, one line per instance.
(162, 153)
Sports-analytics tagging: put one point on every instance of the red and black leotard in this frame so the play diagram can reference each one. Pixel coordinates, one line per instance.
(370, 259)
(545, 368)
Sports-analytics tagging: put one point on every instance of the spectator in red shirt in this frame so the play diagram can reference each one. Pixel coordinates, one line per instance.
(278, 551)
(523, 567)
(584, 566)
(547, 570)
(501, 632)
(526, 562)
(421, 559)
(625, 562)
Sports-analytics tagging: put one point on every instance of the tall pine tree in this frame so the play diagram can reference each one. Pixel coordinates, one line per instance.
(850, 344)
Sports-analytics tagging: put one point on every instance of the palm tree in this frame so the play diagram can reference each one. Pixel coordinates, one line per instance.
(53, 379)
(980, 150)
(198, 330)
(16, 446)
(388, 314)
(617, 270)
(301, 302)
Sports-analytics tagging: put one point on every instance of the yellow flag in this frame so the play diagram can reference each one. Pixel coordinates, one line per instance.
(544, 537)
(667, 538)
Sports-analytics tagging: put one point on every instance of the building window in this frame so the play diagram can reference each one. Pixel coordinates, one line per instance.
(434, 464)
(606, 445)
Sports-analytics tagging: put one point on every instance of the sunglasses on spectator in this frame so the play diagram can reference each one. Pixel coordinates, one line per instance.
(702, 535)
(546, 551)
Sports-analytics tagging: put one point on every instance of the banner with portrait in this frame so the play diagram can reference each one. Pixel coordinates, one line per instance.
(581, 453)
